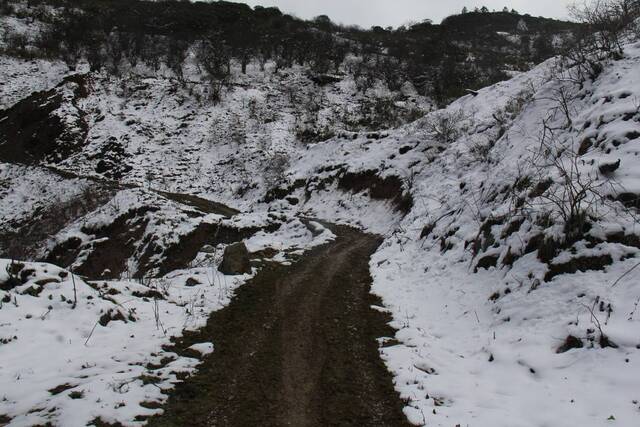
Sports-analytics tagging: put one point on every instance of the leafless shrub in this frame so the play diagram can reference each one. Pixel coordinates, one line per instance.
(13, 272)
(16, 43)
(445, 126)
(604, 339)
(275, 169)
(562, 97)
(481, 151)
(6, 8)
(580, 62)
(513, 108)
(310, 134)
(156, 316)
(607, 24)
(238, 131)
(177, 51)
(575, 192)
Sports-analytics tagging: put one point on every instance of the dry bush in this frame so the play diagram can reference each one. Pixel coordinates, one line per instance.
(16, 43)
(214, 58)
(514, 107)
(481, 151)
(275, 169)
(568, 189)
(608, 23)
(445, 126)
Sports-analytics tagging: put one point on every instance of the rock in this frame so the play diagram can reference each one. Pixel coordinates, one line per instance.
(266, 253)
(208, 249)
(405, 149)
(585, 146)
(609, 168)
(235, 260)
(426, 231)
(570, 343)
(102, 166)
(192, 282)
(325, 79)
(487, 262)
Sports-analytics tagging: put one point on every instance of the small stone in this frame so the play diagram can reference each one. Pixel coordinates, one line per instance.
(191, 282)
(570, 342)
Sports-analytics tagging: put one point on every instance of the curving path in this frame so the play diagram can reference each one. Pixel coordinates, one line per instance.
(296, 347)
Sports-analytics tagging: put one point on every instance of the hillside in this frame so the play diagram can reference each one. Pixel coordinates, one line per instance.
(139, 197)
(502, 307)
(464, 52)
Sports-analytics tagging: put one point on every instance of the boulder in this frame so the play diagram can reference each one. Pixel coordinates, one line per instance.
(235, 260)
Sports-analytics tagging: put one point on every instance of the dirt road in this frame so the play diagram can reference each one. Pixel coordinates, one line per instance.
(296, 347)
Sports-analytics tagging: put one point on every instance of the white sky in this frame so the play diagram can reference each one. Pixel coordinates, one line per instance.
(397, 12)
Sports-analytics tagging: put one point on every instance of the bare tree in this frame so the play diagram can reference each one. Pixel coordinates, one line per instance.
(607, 21)
(215, 60)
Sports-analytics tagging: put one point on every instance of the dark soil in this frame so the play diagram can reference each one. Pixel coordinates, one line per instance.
(204, 205)
(22, 239)
(31, 132)
(180, 254)
(629, 200)
(389, 188)
(296, 347)
(108, 257)
(487, 262)
(593, 263)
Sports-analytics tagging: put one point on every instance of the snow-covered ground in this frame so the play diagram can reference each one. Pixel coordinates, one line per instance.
(500, 321)
(74, 351)
(483, 318)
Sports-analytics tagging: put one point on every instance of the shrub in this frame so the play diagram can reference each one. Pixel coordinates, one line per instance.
(109, 32)
(607, 24)
(481, 151)
(514, 107)
(215, 59)
(310, 135)
(6, 8)
(16, 43)
(575, 194)
(275, 169)
(445, 126)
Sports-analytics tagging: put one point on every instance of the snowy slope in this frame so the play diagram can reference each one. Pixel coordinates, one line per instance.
(74, 351)
(501, 320)
(490, 300)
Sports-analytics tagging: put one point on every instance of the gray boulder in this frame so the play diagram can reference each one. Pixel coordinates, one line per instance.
(235, 260)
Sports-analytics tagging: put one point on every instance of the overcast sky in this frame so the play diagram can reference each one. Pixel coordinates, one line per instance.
(367, 13)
